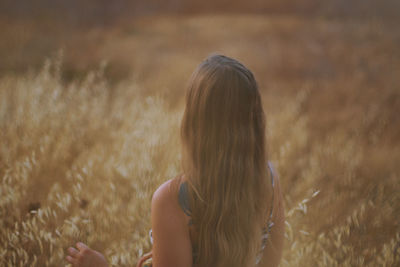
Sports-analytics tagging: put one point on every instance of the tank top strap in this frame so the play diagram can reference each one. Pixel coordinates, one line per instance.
(183, 198)
(272, 172)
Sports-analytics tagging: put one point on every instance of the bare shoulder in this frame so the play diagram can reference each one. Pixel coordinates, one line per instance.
(163, 192)
(166, 193)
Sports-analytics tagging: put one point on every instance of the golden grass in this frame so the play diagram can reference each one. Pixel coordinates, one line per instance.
(80, 161)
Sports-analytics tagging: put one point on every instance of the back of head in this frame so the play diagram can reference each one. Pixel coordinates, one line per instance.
(223, 136)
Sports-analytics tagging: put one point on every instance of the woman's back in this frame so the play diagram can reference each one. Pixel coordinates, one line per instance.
(168, 207)
(184, 202)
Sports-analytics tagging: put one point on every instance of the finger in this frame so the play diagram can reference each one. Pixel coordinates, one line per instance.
(73, 252)
(148, 255)
(81, 246)
(140, 263)
(72, 260)
(144, 258)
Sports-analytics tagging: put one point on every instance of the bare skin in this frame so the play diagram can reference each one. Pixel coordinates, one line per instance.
(83, 256)
(172, 237)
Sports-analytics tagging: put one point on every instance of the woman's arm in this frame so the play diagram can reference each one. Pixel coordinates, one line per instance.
(171, 238)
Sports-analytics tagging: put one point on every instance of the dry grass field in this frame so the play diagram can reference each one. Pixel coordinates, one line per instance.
(81, 154)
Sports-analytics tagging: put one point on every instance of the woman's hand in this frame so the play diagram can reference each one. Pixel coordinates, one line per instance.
(84, 256)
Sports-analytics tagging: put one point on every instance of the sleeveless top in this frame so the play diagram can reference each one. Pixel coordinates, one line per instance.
(183, 198)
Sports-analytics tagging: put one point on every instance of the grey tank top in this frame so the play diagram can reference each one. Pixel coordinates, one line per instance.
(183, 198)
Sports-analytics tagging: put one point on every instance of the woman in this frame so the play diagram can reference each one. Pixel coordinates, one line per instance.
(226, 208)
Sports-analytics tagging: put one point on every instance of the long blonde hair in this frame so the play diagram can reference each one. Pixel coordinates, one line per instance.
(225, 162)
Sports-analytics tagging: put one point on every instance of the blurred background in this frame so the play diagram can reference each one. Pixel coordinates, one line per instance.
(91, 92)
